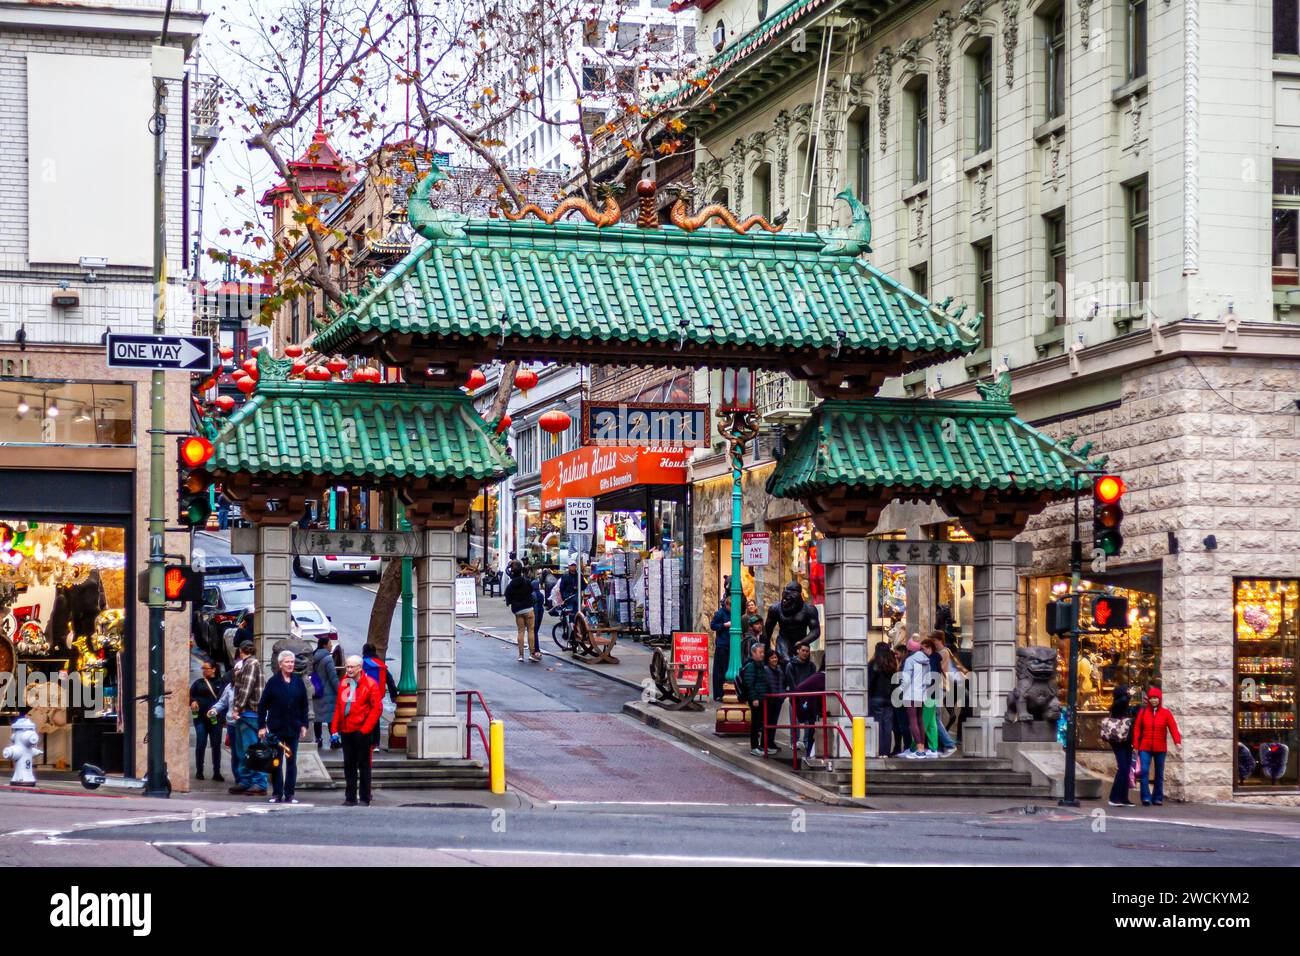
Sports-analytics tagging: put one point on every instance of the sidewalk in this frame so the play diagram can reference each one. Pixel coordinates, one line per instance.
(495, 620)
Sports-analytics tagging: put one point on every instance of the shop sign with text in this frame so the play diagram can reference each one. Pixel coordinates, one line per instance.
(756, 548)
(691, 655)
(638, 424)
(590, 472)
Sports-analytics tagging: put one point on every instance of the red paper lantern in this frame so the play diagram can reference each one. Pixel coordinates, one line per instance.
(318, 373)
(256, 349)
(298, 367)
(525, 379)
(246, 385)
(225, 403)
(207, 386)
(503, 424)
(336, 365)
(366, 373)
(555, 421)
(476, 380)
(249, 366)
(226, 353)
(293, 351)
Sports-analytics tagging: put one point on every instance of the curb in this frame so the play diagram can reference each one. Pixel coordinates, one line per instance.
(559, 657)
(761, 769)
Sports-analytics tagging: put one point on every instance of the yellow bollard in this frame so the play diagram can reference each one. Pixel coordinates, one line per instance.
(859, 758)
(497, 759)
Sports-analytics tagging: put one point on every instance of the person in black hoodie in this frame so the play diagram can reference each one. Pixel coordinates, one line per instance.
(880, 689)
(282, 713)
(721, 628)
(203, 696)
(798, 670)
(1117, 730)
(519, 598)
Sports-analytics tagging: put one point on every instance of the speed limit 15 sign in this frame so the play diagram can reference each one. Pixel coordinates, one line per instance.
(580, 515)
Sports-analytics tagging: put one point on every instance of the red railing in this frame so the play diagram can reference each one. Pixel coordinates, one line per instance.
(471, 725)
(824, 725)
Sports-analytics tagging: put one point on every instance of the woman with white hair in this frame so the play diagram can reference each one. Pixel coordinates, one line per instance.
(282, 714)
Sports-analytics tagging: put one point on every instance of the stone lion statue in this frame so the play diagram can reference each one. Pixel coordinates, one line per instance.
(1035, 695)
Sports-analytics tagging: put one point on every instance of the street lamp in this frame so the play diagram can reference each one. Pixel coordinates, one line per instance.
(738, 424)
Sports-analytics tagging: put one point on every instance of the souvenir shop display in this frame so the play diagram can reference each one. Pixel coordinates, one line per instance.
(1267, 626)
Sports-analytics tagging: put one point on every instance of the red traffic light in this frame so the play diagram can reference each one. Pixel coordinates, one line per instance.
(1109, 489)
(1110, 612)
(194, 451)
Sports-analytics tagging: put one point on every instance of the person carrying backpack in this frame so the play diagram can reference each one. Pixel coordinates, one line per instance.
(324, 677)
(752, 687)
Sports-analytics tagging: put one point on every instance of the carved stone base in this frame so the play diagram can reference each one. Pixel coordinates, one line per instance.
(980, 736)
(430, 737)
(1023, 731)
(397, 730)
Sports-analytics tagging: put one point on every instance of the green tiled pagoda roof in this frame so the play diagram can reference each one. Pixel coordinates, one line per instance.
(923, 444)
(359, 431)
(500, 283)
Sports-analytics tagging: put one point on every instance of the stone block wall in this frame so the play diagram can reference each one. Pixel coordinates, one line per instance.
(1207, 446)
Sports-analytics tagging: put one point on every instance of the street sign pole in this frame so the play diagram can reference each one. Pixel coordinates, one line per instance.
(1069, 799)
(156, 782)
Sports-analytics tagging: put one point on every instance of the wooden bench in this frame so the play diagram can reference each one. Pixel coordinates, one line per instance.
(678, 685)
(595, 643)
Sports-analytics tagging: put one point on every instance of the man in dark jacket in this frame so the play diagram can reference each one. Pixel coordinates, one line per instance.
(800, 668)
(721, 628)
(282, 713)
(519, 598)
(753, 680)
(569, 588)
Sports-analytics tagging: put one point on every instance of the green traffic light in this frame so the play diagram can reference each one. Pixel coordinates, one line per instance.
(1110, 542)
(196, 510)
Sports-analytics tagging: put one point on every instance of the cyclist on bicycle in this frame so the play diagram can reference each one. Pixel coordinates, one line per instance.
(569, 589)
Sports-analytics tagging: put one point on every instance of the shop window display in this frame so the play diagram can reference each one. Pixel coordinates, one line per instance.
(34, 412)
(797, 546)
(1127, 656)
(1266, 615)
(62, 627)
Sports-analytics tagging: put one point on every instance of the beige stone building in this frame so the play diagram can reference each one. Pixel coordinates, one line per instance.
(1112, 184)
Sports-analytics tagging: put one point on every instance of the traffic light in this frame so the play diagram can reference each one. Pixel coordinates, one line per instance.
(1060, 616)
(192, 480)
(182, 583)
(1107, 514)
(1109, 612)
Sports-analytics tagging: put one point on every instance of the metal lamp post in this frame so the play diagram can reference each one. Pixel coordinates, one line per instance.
(738, 424)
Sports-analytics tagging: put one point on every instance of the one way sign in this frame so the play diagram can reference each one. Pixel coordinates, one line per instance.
(179, 352)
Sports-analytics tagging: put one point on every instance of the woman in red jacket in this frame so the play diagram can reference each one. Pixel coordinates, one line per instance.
(1151, 729)
(356, 714)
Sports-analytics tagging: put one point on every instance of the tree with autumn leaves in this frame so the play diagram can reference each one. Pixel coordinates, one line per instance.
(313, 85)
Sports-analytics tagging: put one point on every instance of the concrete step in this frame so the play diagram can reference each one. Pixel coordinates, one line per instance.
(876, 788)
(964, 764)
(397, 772)
(987, 778)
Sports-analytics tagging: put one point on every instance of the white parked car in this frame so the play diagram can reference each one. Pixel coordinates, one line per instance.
(324, 567)
(312, 621)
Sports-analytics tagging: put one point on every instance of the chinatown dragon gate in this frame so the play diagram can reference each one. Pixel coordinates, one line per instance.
(703, 290)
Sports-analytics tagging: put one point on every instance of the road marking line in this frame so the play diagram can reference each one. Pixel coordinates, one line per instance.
(660, 803)
(664, 857)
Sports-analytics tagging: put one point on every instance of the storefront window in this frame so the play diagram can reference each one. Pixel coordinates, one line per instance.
(956, 593)
(483, 530)
(539, 533)
(63, 628)
(1266, 613)
(65, 413)
(796, 545)
(1127, 656)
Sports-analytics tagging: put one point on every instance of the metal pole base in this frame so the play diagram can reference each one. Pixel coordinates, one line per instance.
(401, 720)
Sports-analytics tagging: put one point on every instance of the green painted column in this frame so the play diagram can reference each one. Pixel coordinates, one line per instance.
(407, 683)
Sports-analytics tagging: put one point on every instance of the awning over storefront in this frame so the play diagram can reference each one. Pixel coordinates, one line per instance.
(977, 458)
(590, 472)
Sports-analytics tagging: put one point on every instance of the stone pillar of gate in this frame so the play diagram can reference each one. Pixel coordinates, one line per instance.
(844, 636)
(272, 589)
(436, 731)
(993, 655)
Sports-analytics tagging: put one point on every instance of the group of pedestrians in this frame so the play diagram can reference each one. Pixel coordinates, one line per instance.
(275, 713)
(1138, 734)
(528, 601)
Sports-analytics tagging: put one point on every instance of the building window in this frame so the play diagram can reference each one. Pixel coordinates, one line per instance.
(1055, 62)
(920, 132)
(526, 451)
(1135, 199)
(1054, 298)
(921, 280)
(628, 35)
(984, 99)
(593, 78)
(1266, 615)
(1286, 227)
(984, 288)
(1286, 27)
(761, 190)
(593, 33)
(295, 327)
(1135, 38)
(860, 147)
(311, 311)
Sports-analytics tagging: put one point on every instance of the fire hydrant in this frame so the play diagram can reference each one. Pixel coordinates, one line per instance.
(22, 748)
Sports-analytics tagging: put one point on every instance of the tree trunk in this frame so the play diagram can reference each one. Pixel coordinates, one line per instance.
(505, 388)
(381, 613)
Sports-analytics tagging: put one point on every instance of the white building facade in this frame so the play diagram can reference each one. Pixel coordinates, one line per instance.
(1112, 184)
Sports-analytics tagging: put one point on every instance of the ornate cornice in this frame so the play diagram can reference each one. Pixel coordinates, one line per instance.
(1084, 36)
(942, 35)
(884, 63)
(1010, 36)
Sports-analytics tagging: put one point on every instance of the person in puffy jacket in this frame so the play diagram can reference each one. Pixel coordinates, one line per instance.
(914, 683)
(753, 679)
(519, 597)
(1152, 728)
(357, 707)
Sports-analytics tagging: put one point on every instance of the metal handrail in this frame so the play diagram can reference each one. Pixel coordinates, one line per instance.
(471, 725)
(823, 725)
